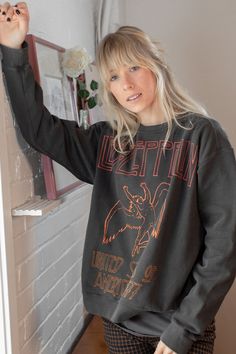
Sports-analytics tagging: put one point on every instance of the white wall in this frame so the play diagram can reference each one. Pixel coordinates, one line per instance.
(66, 23)
(199, 41)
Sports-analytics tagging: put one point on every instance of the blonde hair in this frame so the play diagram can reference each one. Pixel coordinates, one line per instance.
(131, 46)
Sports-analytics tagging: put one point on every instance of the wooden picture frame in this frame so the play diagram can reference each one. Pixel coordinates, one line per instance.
(44, 58)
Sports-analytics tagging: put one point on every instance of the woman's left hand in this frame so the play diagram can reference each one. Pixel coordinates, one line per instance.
(163, 349)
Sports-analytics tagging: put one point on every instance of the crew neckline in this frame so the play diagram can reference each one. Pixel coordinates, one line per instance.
(144, 127)
(161, 126)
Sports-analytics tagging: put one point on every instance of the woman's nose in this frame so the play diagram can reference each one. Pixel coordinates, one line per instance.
(127, 83)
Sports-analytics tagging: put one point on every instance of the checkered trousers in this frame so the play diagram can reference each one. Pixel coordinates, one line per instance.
(122, 342)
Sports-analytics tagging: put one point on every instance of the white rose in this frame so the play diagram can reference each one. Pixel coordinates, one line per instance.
(74, 61)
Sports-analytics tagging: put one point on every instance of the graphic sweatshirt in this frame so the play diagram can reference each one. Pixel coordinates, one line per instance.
(161, 231)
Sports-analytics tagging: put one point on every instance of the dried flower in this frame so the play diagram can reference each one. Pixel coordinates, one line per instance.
(74, 61)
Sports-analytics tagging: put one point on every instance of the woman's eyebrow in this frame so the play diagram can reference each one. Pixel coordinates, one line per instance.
(112, 70)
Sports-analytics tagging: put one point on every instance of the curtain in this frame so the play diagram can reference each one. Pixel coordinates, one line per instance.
(107, 18)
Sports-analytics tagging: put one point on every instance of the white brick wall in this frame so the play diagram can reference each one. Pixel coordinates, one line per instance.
(48, 255)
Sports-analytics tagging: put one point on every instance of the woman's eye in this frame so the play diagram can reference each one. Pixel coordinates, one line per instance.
(134, 68)
(113, 78)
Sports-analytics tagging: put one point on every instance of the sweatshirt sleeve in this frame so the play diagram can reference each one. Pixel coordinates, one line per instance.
(214, 272)
(61, 140)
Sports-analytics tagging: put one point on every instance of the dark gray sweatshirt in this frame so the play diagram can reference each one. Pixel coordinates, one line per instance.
(161, 231)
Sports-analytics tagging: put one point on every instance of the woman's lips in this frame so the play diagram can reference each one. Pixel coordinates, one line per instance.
(134, 97)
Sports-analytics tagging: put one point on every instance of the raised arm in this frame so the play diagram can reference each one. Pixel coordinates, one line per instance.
(61, 140)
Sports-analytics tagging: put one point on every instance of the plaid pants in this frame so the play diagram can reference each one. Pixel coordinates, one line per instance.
(122, 342)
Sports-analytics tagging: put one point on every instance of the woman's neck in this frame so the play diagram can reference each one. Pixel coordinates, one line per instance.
(153, 115)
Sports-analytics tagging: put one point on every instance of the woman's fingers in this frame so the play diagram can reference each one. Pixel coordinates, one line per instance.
(5, 5)
(21, 5)
(21, 9)
(163, 349)
(9, 13)
(3, 10)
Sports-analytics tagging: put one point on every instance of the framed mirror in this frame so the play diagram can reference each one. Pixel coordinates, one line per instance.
(60, 99)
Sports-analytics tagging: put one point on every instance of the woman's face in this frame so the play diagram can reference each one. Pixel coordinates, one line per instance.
(134, 88)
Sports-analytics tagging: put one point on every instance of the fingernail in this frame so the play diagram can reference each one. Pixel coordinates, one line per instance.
(8, 19)
(18, 12)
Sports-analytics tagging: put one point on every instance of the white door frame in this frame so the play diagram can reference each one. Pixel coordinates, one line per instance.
(5, 337)
(9, 337)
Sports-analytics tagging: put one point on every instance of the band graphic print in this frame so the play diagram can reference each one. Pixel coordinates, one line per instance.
(140, 206)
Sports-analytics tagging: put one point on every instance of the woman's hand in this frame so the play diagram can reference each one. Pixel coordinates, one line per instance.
(163, 349)
(14, 24)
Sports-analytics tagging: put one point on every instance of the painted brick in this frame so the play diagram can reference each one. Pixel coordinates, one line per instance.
(24, 244)
(76, 314)
(15, 141)
(25, 302)
(45, 282)
(79, 287)
(13, 146)
(67, 304)
(53, 345)
(33, 345)
(38, 322)
(20, 168)
(25, 273)
(72, 274)
(63, 337)
(65, 347)
(55, 295)
(32, 321)
(8, 115)
(31, 240)
(55, 272)
(21, 192)
(55, 223)
(18, 225)
(62, 216)
(22, 337)
(54, 276)
(63, 334)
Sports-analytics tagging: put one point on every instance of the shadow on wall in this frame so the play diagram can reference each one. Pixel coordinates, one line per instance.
(34, 160)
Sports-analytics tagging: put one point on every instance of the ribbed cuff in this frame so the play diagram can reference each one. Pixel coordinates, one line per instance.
(175, 338)
(12, 57)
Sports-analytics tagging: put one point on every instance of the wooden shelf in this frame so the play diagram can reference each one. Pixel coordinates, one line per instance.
(36, 206)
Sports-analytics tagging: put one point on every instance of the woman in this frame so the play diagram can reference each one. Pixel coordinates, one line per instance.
(159, 254)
